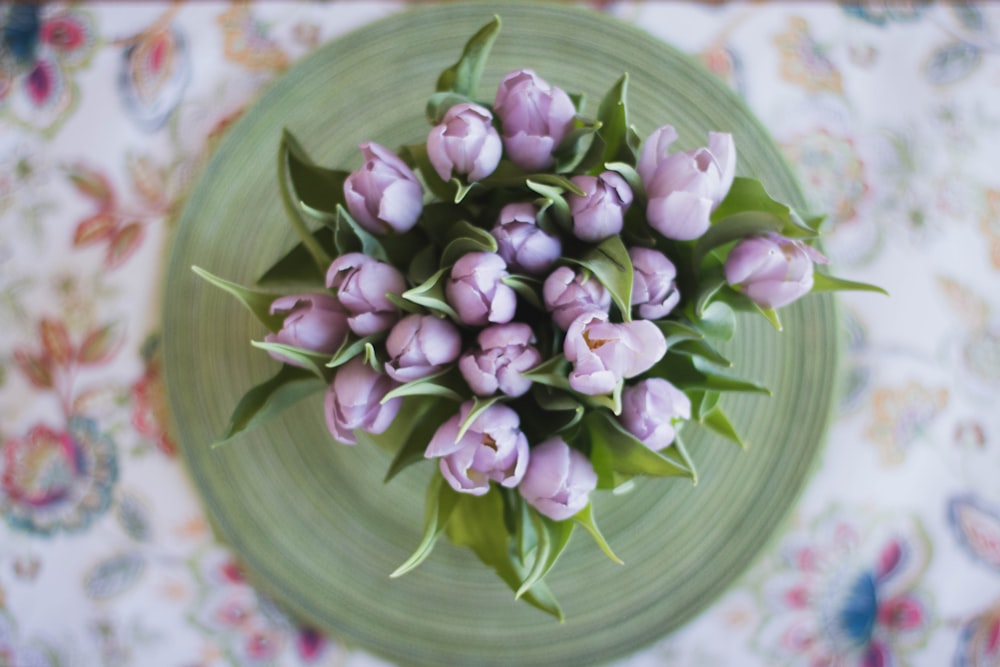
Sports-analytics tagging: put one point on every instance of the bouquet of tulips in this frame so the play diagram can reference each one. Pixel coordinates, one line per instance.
(532, 298)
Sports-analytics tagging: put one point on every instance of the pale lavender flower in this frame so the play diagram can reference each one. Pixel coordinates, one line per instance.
(465, 143)
(654, 290)
(558, 481)
(535, 118)
(600, 212)
(772, 270)
(384, 195)
(522, 243)
(651, 409)
(476, 291)
(421, 345)
(568, 294)
(313, 322)
(505, 351)
(362, 284)
(684, 188)
(604, 353)
(353, 401)
(492, 448)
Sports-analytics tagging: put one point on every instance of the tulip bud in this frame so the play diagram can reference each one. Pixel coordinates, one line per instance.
(604, 353)
(421, 345)
(384, 195)
(535, 118)
(654, 292)
(313, 322)
(362, 284)
(504, 353)
(492, 448)
(772, 270)
(684, 188)
(568, 294)
(522, 243)
(476, 291)
(465, 143)
(558, 481)
(651, 409)
(600, 212)
(353, 401)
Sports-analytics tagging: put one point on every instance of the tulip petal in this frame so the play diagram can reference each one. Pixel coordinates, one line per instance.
(680, 216)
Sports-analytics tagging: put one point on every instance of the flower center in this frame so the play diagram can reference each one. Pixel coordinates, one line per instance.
(488, 441)
(593, 344)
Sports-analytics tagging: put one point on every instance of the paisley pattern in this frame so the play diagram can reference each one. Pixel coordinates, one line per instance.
(57, 480)
(886, 111)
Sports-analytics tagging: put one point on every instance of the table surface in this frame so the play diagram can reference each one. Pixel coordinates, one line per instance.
(891, 117)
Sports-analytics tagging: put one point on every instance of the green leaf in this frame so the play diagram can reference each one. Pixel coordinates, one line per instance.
(310, 360)
(700, 348)
(734, 228)
(585, 518)
(615, 140)
(463, 77)
(317, 187)
(270, 398)
(681, 449)
(614, 450)
(439, 103)
(291, 203)
(258, 303)
(748, 195)
(527, 287)
(687, 372)
(631, 176)
(610, 264)
(419, 417)
(552, 372)
(352, 347)
(703, 402)
(825, 283)
(477, 522)
(465, 238)
(350, 236)
(416, 156)
(430, 294)
(441, 501)
(675, 331)
(717, 421)
(296, 268)
(447, 384)
(718, 321)
(553, 537)
(479, 406)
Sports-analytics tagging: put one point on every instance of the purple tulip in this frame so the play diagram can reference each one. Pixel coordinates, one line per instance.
(353, 401)
(651, 409)
(600, 212)
(772, 270)
(568, 294)
(476, 291)
(684, 188)
(314, 322)
(535, 118)
(362, 284)
(604, 353)
(522, 243)
(421, 345)
(504, 353)
(654, 290)
(492, 448)
(465, 143)
(384, 195)
(558, 481)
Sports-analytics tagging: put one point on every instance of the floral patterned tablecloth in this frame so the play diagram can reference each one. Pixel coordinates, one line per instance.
(891, 115)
